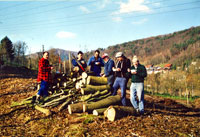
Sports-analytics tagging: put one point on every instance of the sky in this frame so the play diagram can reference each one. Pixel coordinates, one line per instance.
(91, 24)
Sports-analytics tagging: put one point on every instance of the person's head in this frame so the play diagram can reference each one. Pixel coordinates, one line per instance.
(80, 55)
(119, 56)
(135, 61)
(96, 53)
(45, 55)
(105, 57)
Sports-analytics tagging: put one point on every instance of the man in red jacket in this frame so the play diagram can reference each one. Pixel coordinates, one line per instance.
(44, 75)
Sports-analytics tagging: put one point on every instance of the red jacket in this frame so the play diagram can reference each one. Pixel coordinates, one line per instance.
(44, 71)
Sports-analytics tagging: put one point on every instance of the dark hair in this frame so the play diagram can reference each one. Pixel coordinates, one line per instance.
(97, 51)
(80, 52)
(45, 52)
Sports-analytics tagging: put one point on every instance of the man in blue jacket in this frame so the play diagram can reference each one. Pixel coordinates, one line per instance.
(108, 72)
(95, 63)
(79, 63)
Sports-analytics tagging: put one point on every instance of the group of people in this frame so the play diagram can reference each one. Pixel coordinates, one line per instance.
(117, 73)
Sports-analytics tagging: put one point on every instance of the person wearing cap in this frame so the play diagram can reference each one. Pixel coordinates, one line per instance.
(108, 72)
(138, 73)
(121, 72)
(79, 63)
(95, 63)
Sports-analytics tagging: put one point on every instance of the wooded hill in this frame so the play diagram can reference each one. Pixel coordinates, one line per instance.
(179, 48)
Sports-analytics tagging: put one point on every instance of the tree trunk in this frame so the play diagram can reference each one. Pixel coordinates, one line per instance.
(99, 98)
(93, 80)
(111, 100)
(89, 89)
(75, 108)
(98, 112)
(43, 110)
(116, 112)
(96, 94)
(59, 100)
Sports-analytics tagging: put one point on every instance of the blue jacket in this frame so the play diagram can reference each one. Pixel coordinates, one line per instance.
(76, 64)
(95, 68)
(108, 67)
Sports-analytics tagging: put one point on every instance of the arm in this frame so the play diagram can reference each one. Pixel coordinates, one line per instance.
(85, 64)
(101, 62)
(74, 62)
(110, 66)
(90, 61)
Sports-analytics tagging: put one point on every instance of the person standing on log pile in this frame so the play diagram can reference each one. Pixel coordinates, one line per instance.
(44, 76)
(79, 63)
(108, 72)
(121, 73)
(138, 73)
(95, 63)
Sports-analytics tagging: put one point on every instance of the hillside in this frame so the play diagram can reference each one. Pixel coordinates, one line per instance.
(178, 48)
(64, 54)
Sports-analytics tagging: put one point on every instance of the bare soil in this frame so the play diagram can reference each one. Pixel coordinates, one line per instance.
(163, 117)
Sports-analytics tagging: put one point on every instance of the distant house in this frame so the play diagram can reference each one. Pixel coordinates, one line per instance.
(149, 69)
(167, 66)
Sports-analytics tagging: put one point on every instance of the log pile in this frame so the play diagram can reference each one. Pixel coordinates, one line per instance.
(83, 94)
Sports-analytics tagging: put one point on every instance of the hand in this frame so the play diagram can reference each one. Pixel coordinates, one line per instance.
(51, 68)
(129, 70)
(82, 62)
(118, 69)
(134, 72)
(97, 63)
(104, 75)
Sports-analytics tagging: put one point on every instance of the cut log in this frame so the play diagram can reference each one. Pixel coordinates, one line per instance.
(89, 89)
(98, 112)
(84, 75)
(43, 110)
(116, 112)
(75, 108)
(64, 104)
(93, 80)
(111, 100)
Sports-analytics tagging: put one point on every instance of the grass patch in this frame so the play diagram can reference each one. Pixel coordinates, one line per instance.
(166, 95)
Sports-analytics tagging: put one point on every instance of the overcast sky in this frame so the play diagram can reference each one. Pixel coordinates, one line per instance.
(91, 24)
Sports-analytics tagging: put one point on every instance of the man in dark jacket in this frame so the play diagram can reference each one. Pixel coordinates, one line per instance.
(96, 62)
(138, 73)
(79, 63)
(121, 70)
(108, 72)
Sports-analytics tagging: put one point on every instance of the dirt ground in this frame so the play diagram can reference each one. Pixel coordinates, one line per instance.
(163, 117)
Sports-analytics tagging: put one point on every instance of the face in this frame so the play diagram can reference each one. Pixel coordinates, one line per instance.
(120, 58)
(135, 63)
(46, 55)
(80, 56)
(96, 54)
(105, 59)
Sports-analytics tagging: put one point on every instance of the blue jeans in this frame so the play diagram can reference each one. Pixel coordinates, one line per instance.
(137, 90)
(120, 82)
(44, 86)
